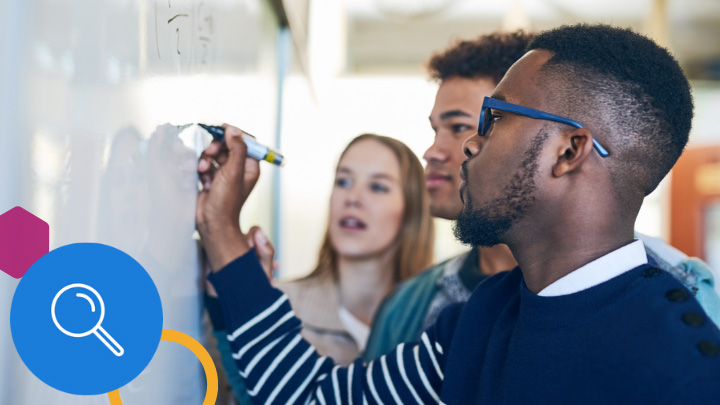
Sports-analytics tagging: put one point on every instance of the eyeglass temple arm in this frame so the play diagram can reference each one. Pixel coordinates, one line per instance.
(599, 148)
(541, 115)
(532, 113)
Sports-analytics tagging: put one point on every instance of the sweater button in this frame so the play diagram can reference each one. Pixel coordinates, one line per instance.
(651, 272)
(693, 319)
(708, 348)
(676, 295)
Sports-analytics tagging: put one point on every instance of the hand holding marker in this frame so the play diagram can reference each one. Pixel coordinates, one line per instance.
(254, 148)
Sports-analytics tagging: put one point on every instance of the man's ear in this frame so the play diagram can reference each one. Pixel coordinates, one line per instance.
(576, 146)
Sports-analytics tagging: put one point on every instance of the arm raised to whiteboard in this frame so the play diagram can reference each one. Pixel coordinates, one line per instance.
(278, 366)
(225, 187)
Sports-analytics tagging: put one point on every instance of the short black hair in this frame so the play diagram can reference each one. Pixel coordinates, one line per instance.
(630, 89)
(487, 56)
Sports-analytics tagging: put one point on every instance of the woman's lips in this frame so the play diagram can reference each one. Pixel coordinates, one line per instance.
(352, 223)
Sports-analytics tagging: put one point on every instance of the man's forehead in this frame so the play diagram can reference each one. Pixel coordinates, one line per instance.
(461, 94)
(520, 83)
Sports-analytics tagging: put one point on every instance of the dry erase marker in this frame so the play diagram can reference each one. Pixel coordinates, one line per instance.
(254, 148)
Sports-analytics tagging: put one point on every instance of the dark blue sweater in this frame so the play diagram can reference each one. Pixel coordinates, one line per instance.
(638, 338)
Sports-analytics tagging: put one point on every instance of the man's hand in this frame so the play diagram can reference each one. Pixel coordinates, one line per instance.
(227, 177)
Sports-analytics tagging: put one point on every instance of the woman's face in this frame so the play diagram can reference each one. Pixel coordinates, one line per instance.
(367, 203)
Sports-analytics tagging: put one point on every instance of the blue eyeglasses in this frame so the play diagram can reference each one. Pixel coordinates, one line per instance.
(486, 118)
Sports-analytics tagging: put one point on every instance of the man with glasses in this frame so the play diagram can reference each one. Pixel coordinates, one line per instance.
(467, 73)
(583, 319)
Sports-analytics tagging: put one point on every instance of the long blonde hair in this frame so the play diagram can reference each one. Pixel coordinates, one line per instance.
(414, 251)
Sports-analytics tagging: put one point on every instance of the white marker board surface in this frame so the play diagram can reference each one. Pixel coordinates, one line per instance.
(87, 88)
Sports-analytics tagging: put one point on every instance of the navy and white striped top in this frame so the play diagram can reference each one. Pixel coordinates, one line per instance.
(280, 367)
(628, 340)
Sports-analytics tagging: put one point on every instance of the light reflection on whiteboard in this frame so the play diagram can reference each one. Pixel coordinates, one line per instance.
(147, 209)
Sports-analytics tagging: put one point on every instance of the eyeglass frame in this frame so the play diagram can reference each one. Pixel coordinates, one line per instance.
(495, 104)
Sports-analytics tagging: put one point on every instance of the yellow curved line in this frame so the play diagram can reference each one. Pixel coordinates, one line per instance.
(115, 397)
(199, 351)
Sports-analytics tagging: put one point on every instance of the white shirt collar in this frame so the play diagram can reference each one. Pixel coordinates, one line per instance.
(599, 270)
(355, 327)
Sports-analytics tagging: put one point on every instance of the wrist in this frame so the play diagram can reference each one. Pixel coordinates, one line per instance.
(218, 227)
(224, 245)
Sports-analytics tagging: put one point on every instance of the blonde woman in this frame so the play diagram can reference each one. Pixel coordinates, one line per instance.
(379, 233)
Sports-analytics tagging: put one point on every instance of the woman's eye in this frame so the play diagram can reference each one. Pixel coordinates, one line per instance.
(343, 182)
(379, 188)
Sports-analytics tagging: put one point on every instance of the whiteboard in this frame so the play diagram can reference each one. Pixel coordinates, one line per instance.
(92, 93)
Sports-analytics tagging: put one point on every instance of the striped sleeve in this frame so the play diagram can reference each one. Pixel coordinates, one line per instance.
(278, 366)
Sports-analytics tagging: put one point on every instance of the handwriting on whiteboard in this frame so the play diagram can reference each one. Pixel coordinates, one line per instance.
(183, 32)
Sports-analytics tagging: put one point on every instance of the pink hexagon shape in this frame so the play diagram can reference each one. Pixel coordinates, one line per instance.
(24, 238)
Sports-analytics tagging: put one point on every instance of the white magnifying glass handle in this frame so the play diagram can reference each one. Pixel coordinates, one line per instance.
(107, 339)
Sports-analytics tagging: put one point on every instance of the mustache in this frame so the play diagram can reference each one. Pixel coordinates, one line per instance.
(463, 168)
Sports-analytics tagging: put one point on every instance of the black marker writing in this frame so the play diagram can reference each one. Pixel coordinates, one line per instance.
(179, 15)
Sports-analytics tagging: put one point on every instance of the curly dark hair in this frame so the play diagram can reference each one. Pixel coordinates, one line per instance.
(487, 56)
(628, 89)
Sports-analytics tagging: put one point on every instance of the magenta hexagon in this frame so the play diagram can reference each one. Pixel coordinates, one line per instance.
(24, 238)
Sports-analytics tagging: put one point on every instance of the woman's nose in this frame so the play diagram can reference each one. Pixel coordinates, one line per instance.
(353, 198)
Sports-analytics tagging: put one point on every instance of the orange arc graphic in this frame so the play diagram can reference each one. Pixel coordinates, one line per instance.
(199, 351)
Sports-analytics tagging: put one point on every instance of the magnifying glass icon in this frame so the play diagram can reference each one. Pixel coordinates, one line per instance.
(96, 330)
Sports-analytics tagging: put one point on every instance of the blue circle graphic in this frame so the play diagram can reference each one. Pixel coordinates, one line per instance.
(86, 319)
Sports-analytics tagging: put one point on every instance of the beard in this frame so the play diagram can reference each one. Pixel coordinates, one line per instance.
(486, 224)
